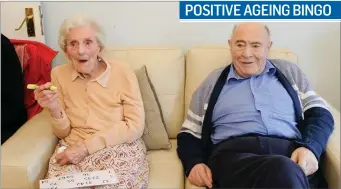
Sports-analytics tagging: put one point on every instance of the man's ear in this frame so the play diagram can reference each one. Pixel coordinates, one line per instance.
(270, 45)
(230, 42)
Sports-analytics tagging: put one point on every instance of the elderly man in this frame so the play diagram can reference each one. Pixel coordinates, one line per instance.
(256, 123)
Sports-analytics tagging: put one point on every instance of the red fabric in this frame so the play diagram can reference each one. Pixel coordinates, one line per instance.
(36, 59)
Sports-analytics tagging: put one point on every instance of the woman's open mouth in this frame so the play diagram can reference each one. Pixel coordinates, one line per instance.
(82, 61)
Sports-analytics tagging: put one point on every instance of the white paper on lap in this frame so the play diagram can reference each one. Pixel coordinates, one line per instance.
(83, 179)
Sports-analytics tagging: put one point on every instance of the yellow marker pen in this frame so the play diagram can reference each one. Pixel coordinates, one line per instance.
(34, 86)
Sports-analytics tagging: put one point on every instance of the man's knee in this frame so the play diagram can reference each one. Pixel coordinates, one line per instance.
(283, 172)
(283, 164)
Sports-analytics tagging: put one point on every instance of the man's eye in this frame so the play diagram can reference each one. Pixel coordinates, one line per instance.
(240, 45)
(255, 46)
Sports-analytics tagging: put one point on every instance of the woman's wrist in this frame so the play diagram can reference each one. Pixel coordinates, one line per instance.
(83, 147)
(56, 113)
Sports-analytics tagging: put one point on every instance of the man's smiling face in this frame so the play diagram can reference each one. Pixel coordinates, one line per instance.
(249, 46)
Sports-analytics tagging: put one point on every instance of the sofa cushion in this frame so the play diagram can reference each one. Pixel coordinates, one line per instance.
(165, 168)
(155, 134)
(202, 60)
(166, 70)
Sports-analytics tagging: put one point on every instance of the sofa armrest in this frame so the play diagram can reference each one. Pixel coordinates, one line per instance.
(25, 155)
(331, 167)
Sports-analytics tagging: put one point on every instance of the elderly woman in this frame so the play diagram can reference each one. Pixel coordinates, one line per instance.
(96, 111)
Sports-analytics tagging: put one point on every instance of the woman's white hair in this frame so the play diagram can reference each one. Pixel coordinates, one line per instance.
(79, 21)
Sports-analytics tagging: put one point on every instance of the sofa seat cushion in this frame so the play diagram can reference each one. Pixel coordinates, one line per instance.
(165, 168)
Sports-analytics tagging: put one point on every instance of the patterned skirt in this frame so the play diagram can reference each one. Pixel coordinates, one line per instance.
(128, 160)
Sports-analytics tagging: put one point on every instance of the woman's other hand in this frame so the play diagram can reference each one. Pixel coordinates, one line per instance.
(72, 155)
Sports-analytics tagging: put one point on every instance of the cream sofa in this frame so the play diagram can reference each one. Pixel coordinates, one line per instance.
(175, 74)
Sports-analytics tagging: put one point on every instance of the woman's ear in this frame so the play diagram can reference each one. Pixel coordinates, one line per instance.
(67, 56)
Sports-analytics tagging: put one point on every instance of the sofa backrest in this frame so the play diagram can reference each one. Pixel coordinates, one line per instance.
(175, 74)
(166, 70)
(202, 60)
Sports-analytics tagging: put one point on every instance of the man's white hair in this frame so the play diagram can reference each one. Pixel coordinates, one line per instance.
(265, 27)
(79, 20)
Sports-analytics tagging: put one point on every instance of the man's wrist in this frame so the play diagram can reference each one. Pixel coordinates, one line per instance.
(192, 164)
(313, 146)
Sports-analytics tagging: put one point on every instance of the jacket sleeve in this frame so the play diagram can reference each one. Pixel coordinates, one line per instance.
(190, 146)
(318, 123)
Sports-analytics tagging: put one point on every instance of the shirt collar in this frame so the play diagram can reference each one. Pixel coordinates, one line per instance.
(101, 79)
(233, 74)
(269, 68)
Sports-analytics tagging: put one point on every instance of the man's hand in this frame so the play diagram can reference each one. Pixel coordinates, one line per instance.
(305, 159)
(200, 175)
(74, 154)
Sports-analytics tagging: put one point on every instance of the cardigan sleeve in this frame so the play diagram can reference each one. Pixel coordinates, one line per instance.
(318, 123)
(190, 146)
(61, 127)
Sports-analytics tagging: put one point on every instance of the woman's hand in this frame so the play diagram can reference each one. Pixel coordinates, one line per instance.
(47, 98)
(73, 155)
